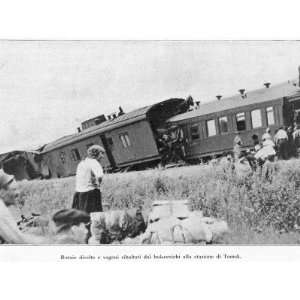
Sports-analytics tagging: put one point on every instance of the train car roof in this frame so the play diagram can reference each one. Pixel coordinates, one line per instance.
(127, 118)
(253, 97)
(6, 155)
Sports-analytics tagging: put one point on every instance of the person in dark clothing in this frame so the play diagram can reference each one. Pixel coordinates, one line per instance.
(177, 144)
(71, 226)
(296, 137)
(164, 148)
(186, 105)
(291, 147)
(250, 155)
(281, 142)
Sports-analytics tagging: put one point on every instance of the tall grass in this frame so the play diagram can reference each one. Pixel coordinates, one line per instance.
(260, 208)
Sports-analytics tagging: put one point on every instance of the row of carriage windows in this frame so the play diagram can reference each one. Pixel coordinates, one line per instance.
(240, 119)
(75, 154)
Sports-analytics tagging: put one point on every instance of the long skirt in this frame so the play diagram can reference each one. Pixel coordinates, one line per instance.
(283, 149)
(88, 201)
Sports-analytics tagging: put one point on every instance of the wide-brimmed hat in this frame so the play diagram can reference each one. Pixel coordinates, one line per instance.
(66, 218)
(94, 151)
(5, 179)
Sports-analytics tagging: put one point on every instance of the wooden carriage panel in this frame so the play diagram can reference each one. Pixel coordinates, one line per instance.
(141, 144)
(204, 145)
(62, 163)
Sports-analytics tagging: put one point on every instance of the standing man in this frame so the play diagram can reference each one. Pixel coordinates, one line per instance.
(291, 146)
(281, 142)
(89, 175)
(296, 137)
(164, 148)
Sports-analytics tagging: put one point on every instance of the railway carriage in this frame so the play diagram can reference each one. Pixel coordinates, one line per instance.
(60, 158)
(210, 129)
(130, 140)
(21, 163)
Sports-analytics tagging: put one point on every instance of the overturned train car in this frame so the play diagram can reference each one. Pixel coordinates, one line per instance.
(23, 164)
(130, 141)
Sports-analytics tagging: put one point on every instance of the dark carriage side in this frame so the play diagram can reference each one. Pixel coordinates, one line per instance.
(129, 139)
(135, 143)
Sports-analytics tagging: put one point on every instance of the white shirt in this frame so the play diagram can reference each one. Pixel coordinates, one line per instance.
(266, 136)
(87, 175)
(296, 133)
(266, 150)
(281, 134)
(257, 147)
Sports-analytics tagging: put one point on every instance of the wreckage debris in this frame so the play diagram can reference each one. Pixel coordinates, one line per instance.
(193, 229)
(169, 222)
(115, 225)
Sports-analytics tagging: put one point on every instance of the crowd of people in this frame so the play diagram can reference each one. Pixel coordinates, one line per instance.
(284, 145)
(171, 145)
(73, 225)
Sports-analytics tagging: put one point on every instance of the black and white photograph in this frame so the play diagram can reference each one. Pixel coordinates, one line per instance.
(149, 149)
(150, 142)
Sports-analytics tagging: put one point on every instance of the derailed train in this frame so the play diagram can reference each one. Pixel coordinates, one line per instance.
(131, 140)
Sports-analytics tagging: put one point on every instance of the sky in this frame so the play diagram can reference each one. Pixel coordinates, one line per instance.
(47, 88)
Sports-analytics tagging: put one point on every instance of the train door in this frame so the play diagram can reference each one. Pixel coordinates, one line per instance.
(297, 116)
(107, 146)
(292, 111)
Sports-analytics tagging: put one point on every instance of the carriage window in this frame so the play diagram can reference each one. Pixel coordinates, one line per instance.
(223, 124)
(125, 140)
(75, 154)
(256, 118)
(270, 115)
(62, 156)
(211, 127)
(240, 121)
(195, 132)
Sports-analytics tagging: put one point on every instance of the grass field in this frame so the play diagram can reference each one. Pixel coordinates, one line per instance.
(259, 209)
